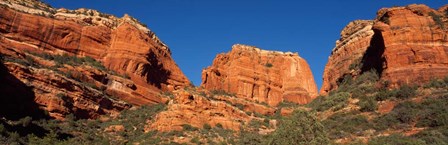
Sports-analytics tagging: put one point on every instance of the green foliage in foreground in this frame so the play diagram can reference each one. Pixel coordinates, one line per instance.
(82, 131)
(302, 127)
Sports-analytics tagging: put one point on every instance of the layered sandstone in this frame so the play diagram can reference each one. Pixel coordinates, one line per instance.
(405, 45)
(196, 110)
(261, 76)
(123, 45)
(28, 89)
(355, 38)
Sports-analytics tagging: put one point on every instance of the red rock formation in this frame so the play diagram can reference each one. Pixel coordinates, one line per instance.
(350, 48)
(415, 45)
(55, 93)
(197, 110)
(121, 44)
(406, 45)
(260, 75)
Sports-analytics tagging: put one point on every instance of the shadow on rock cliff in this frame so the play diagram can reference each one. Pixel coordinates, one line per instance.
(16, 98)
(156, 73)
(373, 58)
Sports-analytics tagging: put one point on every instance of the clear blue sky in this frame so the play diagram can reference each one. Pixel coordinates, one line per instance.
(197, 30)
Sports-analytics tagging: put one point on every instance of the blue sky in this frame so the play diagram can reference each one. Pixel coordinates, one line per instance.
(197, 30)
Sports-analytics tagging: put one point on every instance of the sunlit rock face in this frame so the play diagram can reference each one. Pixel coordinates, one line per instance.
(405, 45)
(261, 76)
(122, 45)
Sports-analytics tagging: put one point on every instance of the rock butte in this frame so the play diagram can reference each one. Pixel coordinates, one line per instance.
(405, 45)
(261, 76)
(121, 44)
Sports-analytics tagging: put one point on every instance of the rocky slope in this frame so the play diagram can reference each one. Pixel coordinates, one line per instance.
(123, 45)
(405, 45)
(261, 76)
(196, 110)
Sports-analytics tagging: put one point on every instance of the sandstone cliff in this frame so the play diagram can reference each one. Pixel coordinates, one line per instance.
(405, 45)
(261, 76)
(123, 45)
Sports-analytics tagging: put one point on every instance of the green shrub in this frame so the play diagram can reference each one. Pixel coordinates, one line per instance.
(385, 121)
(285, 104)
(361, 85)
(251, 138)
(25, 121)
(239, 106)
(255, 124)
(433, 137)
(341, 125)
(437, 83)
(335, 102)
(406, 112)
(268, 65)
(434, 113)
(188, 127)
(302, 127)
(356, 65)
(219, 125)
(437, 19)
(195, 140)
(395, 139)
(406, 91)
(367, 104)
(385, 19)
(207, 126)
(385, 94)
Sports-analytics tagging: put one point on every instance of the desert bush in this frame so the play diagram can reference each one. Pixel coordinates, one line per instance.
(302, 127)
(239, 106)
(268, 65)
(206, 126)
(401, 116)
(255, 124)
(395, 139)
(405, 92)
(367, 104)
(251, 138)
(437, 19)
(434, 113)
(361, 85)
(341, 125)
(406, 112)
(195, 140)
(335, 102)
(437, 83)
(385, 19)
(284, 104)
(385, 94)
(188, 127)
(433, 137)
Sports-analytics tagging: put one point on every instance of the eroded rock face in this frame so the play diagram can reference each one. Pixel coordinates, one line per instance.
(42, 89)
(415, 44)
(261, 76)
(405, 45)
(197, 110)
(122, 44)
(350, 48)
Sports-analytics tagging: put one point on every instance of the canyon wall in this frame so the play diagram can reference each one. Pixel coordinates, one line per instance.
(124, 46)
(405, 45)
(261, 76)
